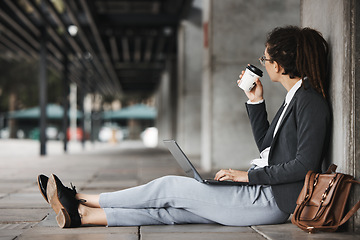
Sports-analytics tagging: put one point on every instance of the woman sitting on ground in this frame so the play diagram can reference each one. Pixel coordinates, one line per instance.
(294, 143)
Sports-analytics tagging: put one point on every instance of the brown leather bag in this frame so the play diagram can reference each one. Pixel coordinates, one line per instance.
(321, 202)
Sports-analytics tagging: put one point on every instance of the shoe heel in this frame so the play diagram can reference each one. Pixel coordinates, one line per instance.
(63, 219)
(42, 181)
(52, 196)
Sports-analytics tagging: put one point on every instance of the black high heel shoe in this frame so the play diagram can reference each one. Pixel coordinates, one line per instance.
(63, 202)
(42, 181)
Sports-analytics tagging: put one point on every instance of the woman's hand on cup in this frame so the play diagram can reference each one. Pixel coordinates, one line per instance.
(256, 93)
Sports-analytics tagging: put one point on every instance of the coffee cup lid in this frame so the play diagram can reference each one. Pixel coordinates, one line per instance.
(255, 70)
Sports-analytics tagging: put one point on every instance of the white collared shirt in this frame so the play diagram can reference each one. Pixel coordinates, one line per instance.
(263, 160)
(288, 98)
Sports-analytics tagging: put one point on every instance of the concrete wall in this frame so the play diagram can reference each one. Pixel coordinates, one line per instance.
(339, 22)
(235, 32)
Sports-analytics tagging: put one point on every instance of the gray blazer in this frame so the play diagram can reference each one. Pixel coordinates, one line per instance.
(299, 145)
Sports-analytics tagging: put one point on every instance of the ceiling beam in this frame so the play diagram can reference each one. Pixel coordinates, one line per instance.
(15, 48)
(18, 41)
(137, 50)
(69, 40)
(135, 20)
(24, 33)
(118, 47)
(49, 29)
(126, 49)
(159, 49)
(114, 49)
(103, 52)
(20, 13)
(140, 66)
(148, 49)
(97, 63)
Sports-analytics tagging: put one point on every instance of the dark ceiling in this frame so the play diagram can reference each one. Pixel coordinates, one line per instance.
(120, 48)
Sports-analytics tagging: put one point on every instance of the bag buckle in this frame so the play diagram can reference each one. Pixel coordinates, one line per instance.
(315, 181)
(310, 229)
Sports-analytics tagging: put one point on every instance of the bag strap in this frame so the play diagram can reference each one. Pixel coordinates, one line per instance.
(345, 218)
(309, 186)
(354, 209)
(332, 168)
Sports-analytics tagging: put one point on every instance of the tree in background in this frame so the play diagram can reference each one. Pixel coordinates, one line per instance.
(19, 86)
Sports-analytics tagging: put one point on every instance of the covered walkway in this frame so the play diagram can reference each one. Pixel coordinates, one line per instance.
(107, 48)
(24, 214)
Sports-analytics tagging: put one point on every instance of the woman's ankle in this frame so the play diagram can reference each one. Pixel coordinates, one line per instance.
(83, 212)
(89, 200)
(92, 216)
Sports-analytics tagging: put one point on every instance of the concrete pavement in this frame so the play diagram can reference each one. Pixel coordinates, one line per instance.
(24, 214)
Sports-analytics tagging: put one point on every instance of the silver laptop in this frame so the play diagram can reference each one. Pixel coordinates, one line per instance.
(189, 168)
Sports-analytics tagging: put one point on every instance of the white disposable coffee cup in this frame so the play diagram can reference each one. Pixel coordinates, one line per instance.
(249, 78)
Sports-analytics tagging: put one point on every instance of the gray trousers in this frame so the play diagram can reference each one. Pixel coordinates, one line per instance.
(180, 200)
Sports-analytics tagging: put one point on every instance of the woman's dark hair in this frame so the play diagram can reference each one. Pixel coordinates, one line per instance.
(302, 52)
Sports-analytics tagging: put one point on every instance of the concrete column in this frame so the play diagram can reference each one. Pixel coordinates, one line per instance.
(339, 22)
(65, 102)
(87, 114)
(82, 93)
(206, 111)
(234, 35)
(189, 84)
(166, 102)
(73, 112)
(163, 104)
(43, 91)
(96, 116)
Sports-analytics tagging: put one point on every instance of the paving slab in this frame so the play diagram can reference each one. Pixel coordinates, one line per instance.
(10, 234)
(48, 229)
(198, 232)
(201, 236)
(102, 186)
(9, 231)
(194, 228)
(78, 236)
(22, 201)
(7, 186)
(17, 215)
(290, 231)
(116, 174)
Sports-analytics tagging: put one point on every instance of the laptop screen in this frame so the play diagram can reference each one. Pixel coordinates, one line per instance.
(182, 159)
